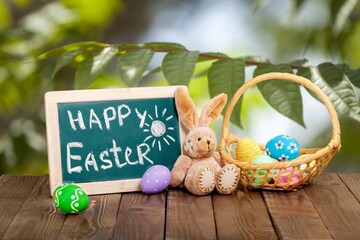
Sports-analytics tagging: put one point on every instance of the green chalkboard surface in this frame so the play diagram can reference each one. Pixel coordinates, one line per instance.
(117, 139)
(104, 140)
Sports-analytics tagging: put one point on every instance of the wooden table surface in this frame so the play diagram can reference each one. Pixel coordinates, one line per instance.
(327, 209)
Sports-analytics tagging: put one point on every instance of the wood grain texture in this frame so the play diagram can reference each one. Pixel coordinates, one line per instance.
(294, 216)
(189, 216)
(96, 222)
(338, 207)
(37, 210)
(242, 215)
(141, 216)
(328, 208)
(352, 181)
(14, 189)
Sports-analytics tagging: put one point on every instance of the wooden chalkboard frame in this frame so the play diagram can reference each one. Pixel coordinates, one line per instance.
(53, 98)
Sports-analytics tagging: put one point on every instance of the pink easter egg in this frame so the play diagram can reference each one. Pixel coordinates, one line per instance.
(285, 173)
(156, 179)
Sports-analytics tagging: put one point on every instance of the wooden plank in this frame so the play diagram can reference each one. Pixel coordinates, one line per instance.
(352, 181)
(294, 216)
(337, 206)
(38, 217)
(141, 216)
(242, 215)
(14, 189)
(189, 216)
(96, 222)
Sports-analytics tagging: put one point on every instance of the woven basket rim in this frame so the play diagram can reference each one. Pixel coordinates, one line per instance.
(335, 138)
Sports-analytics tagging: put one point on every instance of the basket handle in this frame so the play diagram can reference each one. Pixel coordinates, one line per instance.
(335, 139)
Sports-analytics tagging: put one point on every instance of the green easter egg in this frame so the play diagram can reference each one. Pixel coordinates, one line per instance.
(262, 159)
(70, 199)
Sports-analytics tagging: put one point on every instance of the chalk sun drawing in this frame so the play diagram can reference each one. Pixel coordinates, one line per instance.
(160, 133)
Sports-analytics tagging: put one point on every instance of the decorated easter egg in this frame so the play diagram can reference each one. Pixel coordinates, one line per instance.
(283, 148)
(156, 179)
(308, 166)
(262, 159)
(70, 198)
(247, 149)
(286, 174)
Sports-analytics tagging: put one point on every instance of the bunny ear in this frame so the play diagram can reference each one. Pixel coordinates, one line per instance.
(186, 108)
(212, 110)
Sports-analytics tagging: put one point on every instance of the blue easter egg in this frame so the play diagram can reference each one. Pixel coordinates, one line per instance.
(283, 148)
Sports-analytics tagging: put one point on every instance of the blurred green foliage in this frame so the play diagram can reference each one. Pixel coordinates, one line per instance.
(29, 28)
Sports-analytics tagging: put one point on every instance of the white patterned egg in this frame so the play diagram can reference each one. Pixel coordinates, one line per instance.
(156, 179)
(283, 148)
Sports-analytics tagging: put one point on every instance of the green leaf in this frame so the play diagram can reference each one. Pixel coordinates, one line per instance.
(352, 75)
(266, 68)
(92, 65)
(164, 46)
(250, 60)
(298, 4)
(152, 71)
(283, 96)
(208, 56)
(103, 58)
(65, 59)
(335, 7)
(340, 14)
(127, 46)
(337, 86)
(296, 7)
(227, 76)
(306, 73)
(71, 47)
(133, 64)
(259, 4)
(299, 62)
(178, 67)
(201, 73)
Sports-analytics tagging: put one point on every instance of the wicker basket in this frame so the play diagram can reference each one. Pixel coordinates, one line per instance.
(288, 175)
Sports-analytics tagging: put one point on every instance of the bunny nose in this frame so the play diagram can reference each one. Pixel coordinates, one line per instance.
(206, 145)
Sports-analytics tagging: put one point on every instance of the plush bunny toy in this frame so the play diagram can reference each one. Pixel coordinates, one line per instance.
(201, 169)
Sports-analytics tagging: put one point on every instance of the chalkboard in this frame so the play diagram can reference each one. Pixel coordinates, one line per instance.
(104, 140)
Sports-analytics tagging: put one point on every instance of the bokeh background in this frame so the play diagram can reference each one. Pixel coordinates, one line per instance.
(281, 31)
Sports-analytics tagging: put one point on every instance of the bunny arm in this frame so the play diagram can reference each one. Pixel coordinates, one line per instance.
(179, 170)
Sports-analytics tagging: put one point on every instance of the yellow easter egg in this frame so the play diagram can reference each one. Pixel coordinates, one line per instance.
(247, 149)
